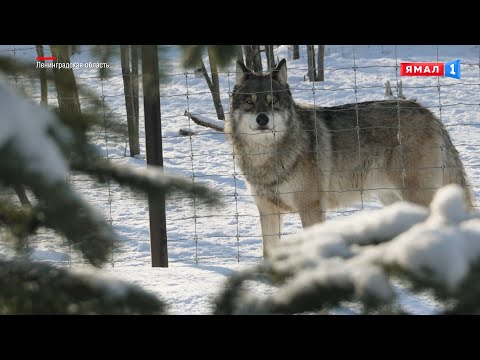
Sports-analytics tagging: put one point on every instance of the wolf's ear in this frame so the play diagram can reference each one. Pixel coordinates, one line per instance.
(280, 72)
(242, 72)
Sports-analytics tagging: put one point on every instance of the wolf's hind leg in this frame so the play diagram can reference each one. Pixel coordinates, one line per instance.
(311, 213)
(311, 217)
(416, 187)
(388, 197)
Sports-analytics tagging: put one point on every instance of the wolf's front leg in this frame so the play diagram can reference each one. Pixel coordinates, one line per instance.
(271, 221)
(271, 230)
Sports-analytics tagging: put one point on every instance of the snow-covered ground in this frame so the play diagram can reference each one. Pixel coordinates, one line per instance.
(206, 245)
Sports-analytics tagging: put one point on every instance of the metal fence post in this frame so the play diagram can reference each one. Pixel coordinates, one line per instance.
(153, 139)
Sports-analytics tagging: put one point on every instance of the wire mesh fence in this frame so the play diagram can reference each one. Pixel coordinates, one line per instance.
(196, 233)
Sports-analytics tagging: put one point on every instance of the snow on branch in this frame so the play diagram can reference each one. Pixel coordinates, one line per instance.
(69, 291)
(33, 142)
(30, 155)
(151, 179)
(355, 258)
(214, 124)
(25, 126)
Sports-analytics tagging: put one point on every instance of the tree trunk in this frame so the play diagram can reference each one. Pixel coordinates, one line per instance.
(249, 56)
(22, 195)
(257, 58)
(129, 102)
(215, 86)
(296, 52)
(65, 83)
(270, 56)
(321, 66)
(134, 49)
(240, 54)
(253, 58)
(43, 78)
(311, 62)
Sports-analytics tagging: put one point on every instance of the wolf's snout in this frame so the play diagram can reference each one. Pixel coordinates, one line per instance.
(262, 119)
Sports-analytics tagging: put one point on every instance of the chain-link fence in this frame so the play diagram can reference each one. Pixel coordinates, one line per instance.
(196, 233)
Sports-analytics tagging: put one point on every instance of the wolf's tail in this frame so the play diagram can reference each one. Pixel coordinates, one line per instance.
(454, 172)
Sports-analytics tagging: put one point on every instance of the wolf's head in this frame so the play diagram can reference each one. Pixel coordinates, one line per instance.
(261, 104)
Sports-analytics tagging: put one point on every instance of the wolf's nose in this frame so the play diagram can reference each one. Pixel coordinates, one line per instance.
(262, 119)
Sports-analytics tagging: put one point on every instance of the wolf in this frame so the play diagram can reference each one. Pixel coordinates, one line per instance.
(299, 158)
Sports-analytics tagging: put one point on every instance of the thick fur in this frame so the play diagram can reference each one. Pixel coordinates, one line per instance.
(308, 160)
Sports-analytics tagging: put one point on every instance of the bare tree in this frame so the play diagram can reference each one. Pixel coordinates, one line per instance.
(65, 83)
(22, 195)
(270, 56)
(321, 63)
(134, 50)
(213, 83)
(312, 74)
(253, 57)
(129, 101)
(296, 52)
(240, 54)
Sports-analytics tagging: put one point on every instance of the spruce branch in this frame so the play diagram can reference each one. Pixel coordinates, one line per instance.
(39, 288)
(151, 180)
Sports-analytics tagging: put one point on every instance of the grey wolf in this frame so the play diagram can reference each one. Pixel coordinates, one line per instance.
(303, 159)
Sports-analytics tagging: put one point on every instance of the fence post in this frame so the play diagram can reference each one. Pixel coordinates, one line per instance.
(153, 139)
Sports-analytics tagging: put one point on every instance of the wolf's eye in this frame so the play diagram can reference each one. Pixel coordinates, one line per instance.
(274, 100)
(249, 101)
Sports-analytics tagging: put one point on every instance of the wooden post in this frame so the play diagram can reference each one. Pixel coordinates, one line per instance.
(153, 139)
(129, 101)
(296, 52)
(134, 50)
(312, 74)
(321, 63)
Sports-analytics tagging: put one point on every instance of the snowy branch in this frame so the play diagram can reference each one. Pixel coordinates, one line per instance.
(31, 155)
(61, 207)
(39, 288)
(214, 124)
(151, 180)
(20, 221)
(356, 258)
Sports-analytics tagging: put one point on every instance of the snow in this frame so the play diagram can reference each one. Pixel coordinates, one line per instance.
(25, 126)
(206, 245)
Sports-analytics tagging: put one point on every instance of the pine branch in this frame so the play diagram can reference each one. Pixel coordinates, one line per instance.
(21, 221)
(39, 288)
(151, 180)
(224, 54)
(92, 106)
(357, 258)
(228, 300)
(61, 207)
(307, 291)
